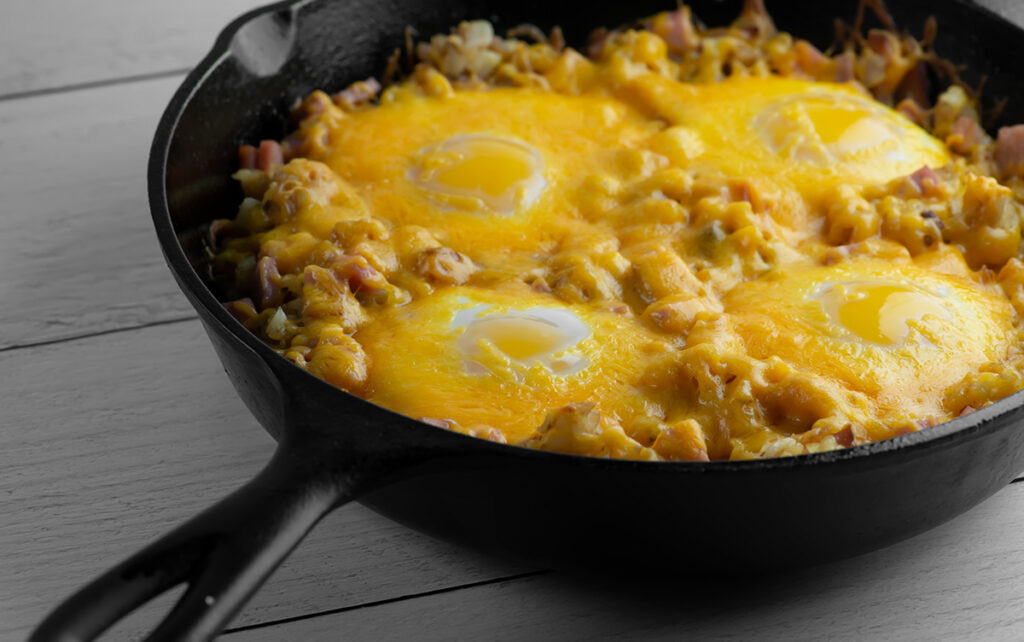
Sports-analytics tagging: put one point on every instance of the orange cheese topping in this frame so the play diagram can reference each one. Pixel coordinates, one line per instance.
(631, 256)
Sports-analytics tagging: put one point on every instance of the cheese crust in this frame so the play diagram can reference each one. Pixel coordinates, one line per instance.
(684, 244)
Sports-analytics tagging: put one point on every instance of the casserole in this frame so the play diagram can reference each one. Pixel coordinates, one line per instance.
(673, 249)
(547, 507)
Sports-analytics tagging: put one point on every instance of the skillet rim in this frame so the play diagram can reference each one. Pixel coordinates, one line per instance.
(946, 435)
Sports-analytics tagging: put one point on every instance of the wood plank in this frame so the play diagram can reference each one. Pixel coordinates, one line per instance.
(44, 45)
(958, 582)
(110, 441)
(1012, 10)
(78, 249)
(153, 433)
(40, 48)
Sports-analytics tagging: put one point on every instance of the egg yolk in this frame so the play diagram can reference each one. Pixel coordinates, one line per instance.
(527, 337)
(898, 333)
(484, 172)
(879, 312)
(826, 129)
(830, 121)
(502, 172)
(483, 357)
(797, 136)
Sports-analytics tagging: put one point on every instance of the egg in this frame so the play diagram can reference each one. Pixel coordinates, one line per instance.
(524, 337)
(896, 332)
(482, 357)
(881, 311)
(501, 171)
(806, 137)
(476, 172)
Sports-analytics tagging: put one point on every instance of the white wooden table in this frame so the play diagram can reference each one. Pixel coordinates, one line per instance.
(116, 421)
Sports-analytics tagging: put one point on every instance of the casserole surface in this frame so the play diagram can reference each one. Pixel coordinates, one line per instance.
(693, 244)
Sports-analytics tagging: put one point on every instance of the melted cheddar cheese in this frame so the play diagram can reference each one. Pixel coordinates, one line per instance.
(798, 136)
(484, 358)
(659, 252)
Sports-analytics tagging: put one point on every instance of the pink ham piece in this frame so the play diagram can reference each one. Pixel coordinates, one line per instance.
(682, 35)
(358, 93)
(926, 181)
(269, 155)
(1010, 150)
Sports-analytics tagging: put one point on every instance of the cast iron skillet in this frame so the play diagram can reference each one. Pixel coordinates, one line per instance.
(552, 509)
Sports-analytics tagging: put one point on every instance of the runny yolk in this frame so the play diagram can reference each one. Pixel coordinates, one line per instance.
(524, 339)
(501, 174)
(823, 130)
(831, 122)
(879, 312)
(487, 166)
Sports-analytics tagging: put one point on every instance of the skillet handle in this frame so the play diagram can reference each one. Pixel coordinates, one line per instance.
(224, 554)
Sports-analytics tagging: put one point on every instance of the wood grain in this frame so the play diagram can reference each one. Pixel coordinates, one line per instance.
(1012, 10)
(958, 582)
(145, 420)
(78, 254)
(41, 48)
(49, 44)
(107, 441)
(110, 441)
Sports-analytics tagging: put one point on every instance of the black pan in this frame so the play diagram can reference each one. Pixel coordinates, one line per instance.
(548, 508)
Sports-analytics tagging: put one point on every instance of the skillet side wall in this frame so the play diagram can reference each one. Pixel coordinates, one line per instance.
(582, 514)
(560, 510)
(645, 520)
